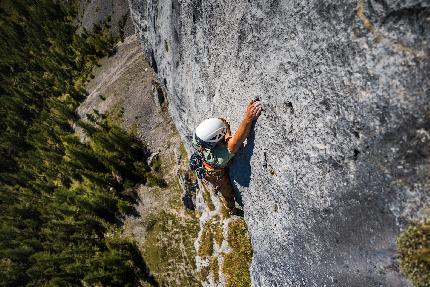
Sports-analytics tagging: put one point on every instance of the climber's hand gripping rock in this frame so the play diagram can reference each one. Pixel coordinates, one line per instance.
(253, 110)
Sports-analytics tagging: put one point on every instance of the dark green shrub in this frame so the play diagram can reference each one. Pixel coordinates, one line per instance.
(154, 180)
(414, 248)
(60, 197)
(156, 164)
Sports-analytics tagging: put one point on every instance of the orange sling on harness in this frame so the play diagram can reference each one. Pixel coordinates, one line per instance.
(212, 170)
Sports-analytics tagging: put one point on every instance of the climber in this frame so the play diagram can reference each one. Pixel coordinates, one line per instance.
(215, 147)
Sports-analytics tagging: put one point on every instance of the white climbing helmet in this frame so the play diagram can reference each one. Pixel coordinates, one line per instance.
(210, 132)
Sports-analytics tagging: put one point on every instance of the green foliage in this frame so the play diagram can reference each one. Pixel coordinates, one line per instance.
(414, 248)
(214, 267)
(218, 236)
(224, 212)
(237, 262)
(169, 243)
(207, 199)
(211, 233)
(206, 240)
(59, 197)
(116, 113)
(42, 59)
(156, 164)
(155, 180)
(117, 151)
(204, 273)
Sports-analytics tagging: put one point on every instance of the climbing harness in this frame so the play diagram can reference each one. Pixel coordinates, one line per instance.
(212, 171)
(203, 170)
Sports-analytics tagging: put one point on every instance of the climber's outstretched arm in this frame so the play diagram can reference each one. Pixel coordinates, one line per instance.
(253, 111)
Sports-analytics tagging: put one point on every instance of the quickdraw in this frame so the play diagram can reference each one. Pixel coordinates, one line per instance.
(196, 165)
(204, 169)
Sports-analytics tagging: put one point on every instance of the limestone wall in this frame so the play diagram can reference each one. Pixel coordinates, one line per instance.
(338, 163)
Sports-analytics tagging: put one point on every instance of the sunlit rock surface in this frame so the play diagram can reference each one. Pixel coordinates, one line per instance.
(338, 163)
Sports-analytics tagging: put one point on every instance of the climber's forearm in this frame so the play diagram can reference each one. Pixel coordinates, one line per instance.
(253, 111)
(239, 137)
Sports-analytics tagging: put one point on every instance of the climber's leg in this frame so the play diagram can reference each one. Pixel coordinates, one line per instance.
(227, 192)
(223, 185)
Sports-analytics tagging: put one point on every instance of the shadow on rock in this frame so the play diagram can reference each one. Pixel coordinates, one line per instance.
(240, 169)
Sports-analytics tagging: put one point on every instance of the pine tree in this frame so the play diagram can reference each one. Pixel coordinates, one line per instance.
(60, 197)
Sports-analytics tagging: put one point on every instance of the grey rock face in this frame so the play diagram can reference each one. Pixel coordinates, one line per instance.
(338, 163)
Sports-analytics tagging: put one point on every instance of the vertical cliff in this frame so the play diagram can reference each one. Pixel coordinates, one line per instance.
(338, 163)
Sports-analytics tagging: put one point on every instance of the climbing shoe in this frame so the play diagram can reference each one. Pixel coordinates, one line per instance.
(236, 211)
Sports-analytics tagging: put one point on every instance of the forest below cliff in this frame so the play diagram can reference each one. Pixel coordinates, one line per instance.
(64, 195)
(61, 194)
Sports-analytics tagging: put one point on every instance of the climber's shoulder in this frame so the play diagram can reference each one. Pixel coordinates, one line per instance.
(219, 156)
